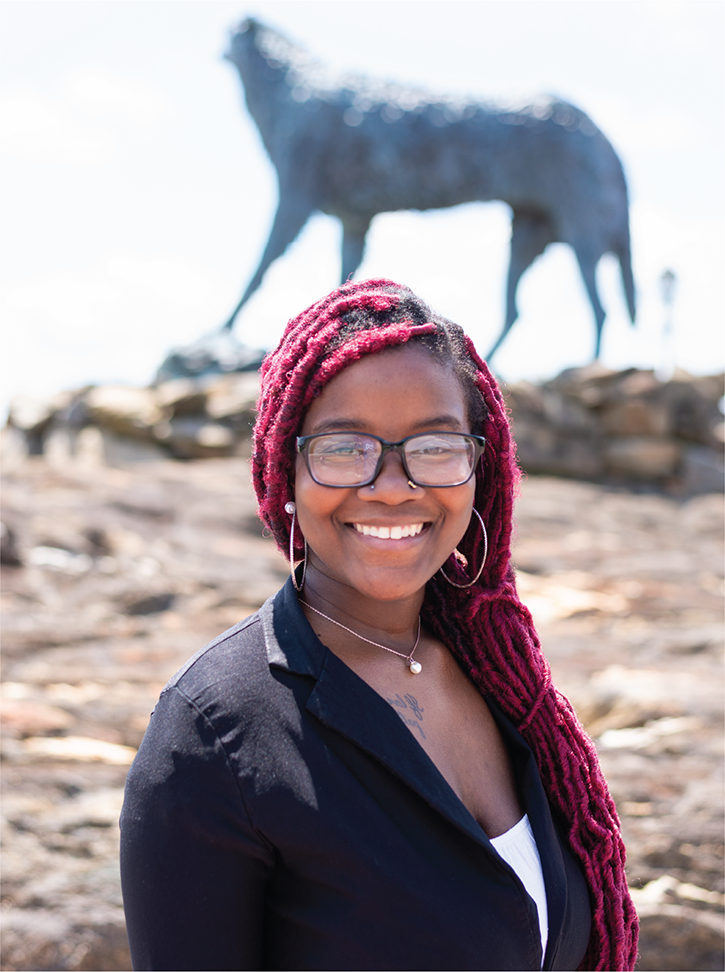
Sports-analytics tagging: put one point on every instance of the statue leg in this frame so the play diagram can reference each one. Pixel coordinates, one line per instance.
(291, 216)
(353, 245)
(587, 261)
(531, 233)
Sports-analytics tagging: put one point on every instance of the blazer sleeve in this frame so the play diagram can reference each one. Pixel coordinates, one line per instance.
(193, 868)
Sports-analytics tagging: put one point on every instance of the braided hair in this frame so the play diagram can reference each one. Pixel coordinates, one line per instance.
(485, 626)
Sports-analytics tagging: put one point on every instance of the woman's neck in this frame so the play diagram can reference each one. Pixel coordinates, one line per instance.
(393, 621)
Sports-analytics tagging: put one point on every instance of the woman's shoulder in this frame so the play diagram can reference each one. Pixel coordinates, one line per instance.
(248, 675)
(238, 646)
(230, 671)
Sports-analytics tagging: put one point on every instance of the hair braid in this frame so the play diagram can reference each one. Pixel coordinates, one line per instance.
(486, 626)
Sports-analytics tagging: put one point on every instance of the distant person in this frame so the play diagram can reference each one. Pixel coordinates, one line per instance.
(375, 771)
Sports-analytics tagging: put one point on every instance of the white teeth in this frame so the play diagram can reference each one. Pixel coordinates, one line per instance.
(389, 533)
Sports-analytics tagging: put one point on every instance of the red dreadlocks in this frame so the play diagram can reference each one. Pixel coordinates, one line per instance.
(486, 626)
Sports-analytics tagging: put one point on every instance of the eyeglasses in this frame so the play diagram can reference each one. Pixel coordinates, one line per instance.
(343, 459)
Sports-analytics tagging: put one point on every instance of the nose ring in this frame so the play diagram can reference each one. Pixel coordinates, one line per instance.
(412, 485)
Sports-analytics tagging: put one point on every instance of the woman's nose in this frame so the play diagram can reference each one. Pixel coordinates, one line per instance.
(391, 485)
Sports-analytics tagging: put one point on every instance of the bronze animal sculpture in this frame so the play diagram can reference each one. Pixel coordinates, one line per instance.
(358, 149)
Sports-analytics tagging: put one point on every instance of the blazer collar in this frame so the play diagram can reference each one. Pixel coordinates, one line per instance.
(345, 703)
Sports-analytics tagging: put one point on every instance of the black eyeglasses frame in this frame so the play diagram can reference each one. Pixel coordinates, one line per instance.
(479, 443)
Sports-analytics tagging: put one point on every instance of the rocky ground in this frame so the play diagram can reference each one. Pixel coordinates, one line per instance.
(113, 577)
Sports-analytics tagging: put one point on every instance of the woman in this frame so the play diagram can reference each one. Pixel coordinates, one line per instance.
(375, 771)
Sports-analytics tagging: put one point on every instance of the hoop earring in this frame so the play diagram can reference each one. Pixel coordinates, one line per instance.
(292, 510)
(483, 563)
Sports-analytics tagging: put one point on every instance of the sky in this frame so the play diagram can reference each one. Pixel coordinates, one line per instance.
(136, 195)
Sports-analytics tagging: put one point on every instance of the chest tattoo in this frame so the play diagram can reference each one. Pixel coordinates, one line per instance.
(409, 711)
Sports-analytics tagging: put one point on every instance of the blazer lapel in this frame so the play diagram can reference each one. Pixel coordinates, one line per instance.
(542, 824)
(343, 702)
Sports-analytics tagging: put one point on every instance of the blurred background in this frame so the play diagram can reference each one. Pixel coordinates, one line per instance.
(137, 195)
(136, 200)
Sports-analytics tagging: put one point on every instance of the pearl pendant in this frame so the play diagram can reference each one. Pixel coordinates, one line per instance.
(415, 667)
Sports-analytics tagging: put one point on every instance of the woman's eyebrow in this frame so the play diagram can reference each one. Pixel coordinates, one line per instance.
(439, 421)
(359, 425)
(338, 425)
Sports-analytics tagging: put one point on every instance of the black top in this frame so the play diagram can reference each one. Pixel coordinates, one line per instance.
(278, 815)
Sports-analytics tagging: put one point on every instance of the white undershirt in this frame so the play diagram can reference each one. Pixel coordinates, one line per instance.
(518, 848)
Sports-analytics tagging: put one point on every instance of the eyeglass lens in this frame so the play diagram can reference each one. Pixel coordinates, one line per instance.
(349, 459)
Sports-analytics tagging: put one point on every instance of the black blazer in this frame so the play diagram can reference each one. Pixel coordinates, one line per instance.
(278, 815)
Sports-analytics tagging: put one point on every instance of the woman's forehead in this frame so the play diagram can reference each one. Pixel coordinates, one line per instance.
(408, 383)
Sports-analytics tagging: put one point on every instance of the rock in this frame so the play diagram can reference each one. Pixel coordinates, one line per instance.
(99, 447)
(703, 470)
(541, 450)
(181, 396)
(9, 554)
(647, 458)
(197, 438)
(592, 375)
(33, 414)
(216, 353)
(149, 603)
(693, 407)
(597, 424)
(23, 717)
(34, 417)
(129, 411)
(82, 938)
(635, 417)
(233, 398)
(56, 558)
(675, 937)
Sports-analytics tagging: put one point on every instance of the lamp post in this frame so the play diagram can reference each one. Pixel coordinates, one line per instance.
(666, 367)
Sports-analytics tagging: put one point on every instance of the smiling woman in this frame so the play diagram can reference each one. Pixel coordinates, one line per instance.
(299, 800)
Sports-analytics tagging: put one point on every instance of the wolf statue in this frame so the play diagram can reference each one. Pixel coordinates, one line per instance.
(357, 148)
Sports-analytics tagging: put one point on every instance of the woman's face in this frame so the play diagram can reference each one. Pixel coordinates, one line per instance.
(394, 394)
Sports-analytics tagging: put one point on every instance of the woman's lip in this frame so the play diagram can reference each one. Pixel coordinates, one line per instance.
(392, 531)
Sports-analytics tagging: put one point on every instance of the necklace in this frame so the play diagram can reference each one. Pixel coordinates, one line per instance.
(414, 666)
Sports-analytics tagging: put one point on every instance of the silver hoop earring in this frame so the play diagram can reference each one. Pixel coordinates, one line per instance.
(292, 510)
(483, 563)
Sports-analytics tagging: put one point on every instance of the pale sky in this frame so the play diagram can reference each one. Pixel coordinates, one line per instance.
(137, 196)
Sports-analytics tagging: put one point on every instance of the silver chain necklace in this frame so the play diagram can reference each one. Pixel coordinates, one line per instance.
(415, 666)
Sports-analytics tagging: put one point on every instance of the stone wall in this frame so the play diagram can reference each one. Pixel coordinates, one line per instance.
(619, 427)
(622, 427)
(184, 418)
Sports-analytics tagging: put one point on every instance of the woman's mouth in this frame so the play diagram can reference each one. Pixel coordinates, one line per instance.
(389, 532)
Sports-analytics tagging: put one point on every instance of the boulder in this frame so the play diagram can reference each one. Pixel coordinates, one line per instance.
(181, 396)
(195, 437)
(233, 398)
(213, 354)
(637, 416)
(703, 470)
(128, 411)
(642, 457)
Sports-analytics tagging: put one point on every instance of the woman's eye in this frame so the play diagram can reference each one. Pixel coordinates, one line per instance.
(345, 450)
(435, 448)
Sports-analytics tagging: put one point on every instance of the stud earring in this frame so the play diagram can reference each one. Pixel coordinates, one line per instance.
(292, 510)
